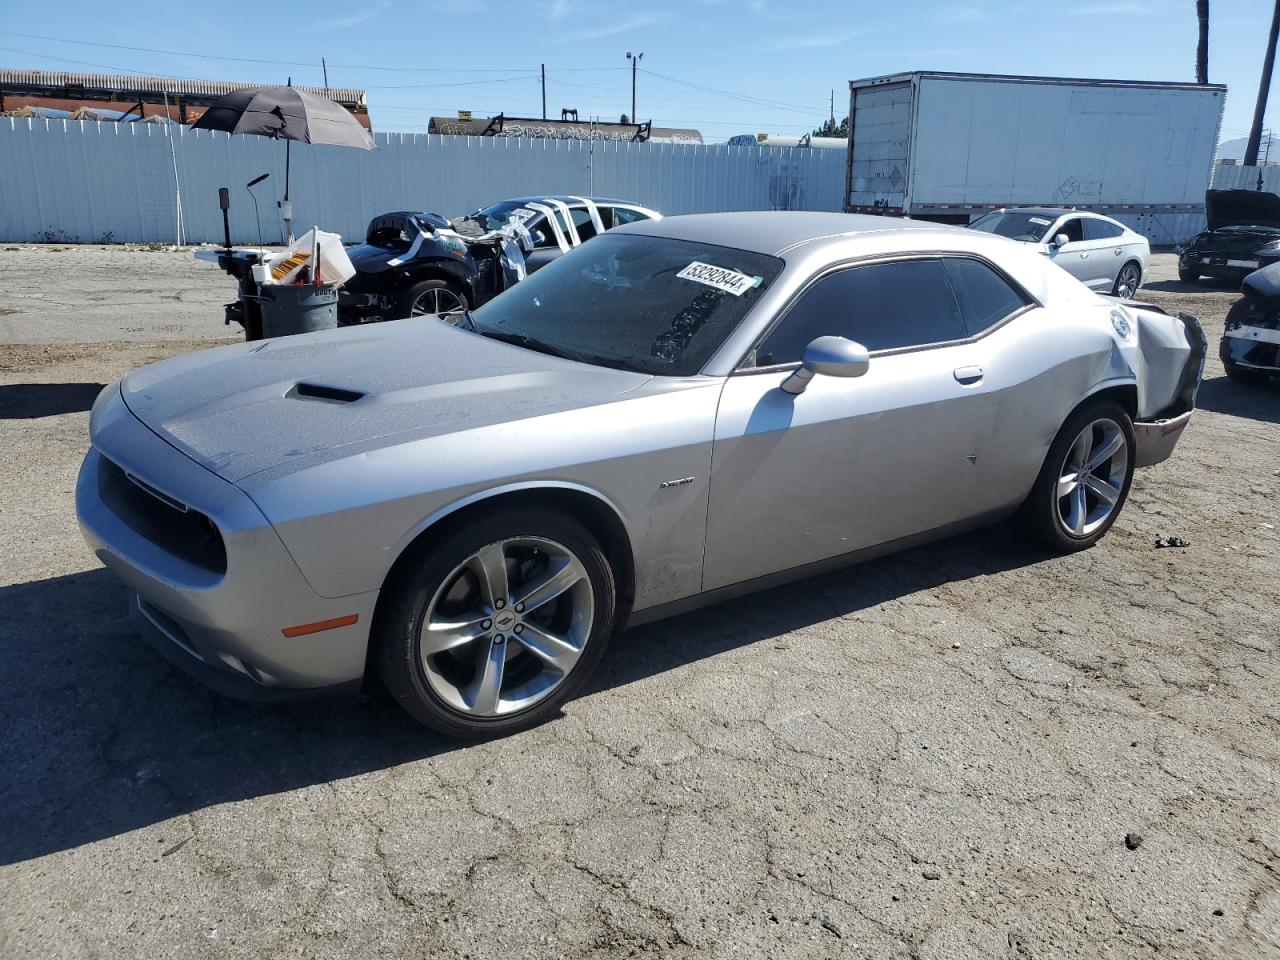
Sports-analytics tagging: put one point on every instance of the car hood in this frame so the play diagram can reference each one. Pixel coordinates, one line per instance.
(1241, 208)
(241, 409)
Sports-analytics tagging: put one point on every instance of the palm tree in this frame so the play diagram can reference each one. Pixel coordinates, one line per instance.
(1202, 48)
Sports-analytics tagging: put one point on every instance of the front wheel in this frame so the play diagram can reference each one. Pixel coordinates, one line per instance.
(1188, 276)
(490, 629)
(1127, 281)
(1085, 478)
(1242, 374)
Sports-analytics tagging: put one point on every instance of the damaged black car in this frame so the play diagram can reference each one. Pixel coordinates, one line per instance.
(416, 264)
(1243, 234)
(1250, 347)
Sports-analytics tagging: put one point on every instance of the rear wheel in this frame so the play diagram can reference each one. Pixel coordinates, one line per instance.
(491, 629)
(1187, 275)
(1127, 281)
(429, 297)
(1085, 479)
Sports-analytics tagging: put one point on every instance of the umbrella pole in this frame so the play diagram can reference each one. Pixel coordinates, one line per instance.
(286, 207)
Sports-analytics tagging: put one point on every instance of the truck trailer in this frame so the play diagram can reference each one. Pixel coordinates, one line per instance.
(951, 147)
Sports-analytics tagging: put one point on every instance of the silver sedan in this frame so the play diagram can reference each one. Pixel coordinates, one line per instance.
(675, 413)
(1101, 253)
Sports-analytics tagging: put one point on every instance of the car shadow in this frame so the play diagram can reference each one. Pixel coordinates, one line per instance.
(28, 401)
(658, 647)
(1206, 285)
(1255, 401)
(104, 737)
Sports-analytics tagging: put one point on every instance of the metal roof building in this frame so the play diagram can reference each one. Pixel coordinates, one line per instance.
(504, 126)
(144, 96)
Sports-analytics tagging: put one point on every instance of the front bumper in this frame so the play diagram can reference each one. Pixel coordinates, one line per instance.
(1252, 348)
(223, 624)
(1215, 265)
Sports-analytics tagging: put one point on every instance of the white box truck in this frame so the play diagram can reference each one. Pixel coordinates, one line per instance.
(953, 146)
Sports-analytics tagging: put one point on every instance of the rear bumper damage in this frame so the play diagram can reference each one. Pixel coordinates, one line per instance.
(1156, 436)
(1154, 440)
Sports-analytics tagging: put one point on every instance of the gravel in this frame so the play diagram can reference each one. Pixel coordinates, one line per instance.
(747, 780)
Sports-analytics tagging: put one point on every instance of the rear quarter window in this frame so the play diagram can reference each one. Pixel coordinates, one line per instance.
(985, 296)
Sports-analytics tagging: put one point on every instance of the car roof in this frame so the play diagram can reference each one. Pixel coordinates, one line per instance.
(543, 198)
(774, 232)
(1054, 212)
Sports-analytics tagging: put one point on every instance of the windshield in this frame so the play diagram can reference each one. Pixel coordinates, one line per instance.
(648, 304)
(1028, 227)
(498, 215)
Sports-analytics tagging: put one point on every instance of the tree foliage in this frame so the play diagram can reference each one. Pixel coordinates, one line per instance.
(830, 128)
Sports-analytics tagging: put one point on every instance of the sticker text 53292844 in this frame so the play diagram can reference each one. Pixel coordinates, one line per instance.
(722, 278)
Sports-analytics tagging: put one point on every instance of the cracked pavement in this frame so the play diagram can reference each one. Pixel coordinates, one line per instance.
(938, 754)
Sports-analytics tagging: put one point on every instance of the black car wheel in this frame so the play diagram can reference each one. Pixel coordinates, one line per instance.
(1242, 374)
(1085, 480)
(1188, 274)
(431, 297)
(489, 629)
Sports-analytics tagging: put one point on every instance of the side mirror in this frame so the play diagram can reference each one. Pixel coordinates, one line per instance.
(538, 238)
(1061, 240)
(831, 356)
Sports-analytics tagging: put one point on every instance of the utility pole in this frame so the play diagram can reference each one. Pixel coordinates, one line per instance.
(833, 108)
(544, 91)
(1264, 88)
(635, 62)
(1202, 45)
(325, 67)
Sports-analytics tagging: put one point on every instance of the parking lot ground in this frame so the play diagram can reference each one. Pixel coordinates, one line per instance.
(967, 750)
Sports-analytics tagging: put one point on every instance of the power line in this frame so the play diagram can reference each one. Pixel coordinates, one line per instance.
(460, 83)
(728, 93)
(283, 63)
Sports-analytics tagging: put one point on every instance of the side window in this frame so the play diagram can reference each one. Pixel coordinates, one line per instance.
(545, 237)
(985, 297)
(582, 220)
(539, 225)
(622, 215)
(883, 306)
(1073, 228)
(1101, 229)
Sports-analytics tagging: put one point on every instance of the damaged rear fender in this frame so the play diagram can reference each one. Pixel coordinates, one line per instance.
(1166, 356)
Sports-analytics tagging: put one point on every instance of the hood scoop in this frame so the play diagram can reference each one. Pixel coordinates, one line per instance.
(319, 393)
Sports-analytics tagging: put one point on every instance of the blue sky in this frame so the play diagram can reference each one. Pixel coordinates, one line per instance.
(723, 66)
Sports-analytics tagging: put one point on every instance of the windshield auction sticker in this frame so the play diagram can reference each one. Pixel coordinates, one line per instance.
(722, 278)
(1039, 220)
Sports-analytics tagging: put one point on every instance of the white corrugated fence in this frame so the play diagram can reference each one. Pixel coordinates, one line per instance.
(90, 181)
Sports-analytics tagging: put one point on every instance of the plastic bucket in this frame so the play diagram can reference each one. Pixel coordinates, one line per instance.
(288, 309)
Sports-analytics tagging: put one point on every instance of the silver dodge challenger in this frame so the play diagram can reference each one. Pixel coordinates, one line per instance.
(675, 413)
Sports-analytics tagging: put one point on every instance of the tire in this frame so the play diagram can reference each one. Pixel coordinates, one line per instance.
(444, 582)
(1047, 515)
(1240, 374)
(424, 297)
(1128, 279)
(1188, 276)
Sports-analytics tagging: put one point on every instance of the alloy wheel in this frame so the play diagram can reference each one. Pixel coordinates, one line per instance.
(437, 300)
(1127, 283)
(507, 626)
(1091, 480)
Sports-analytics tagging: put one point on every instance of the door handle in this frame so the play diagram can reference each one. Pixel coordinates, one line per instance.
(1084, 255)
(968, 376)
